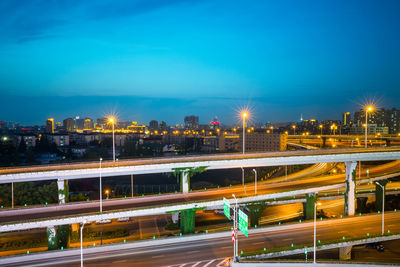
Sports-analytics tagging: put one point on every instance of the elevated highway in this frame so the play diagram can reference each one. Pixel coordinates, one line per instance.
(213, 162)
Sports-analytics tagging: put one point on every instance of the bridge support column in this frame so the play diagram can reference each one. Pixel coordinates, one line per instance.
(63, 236)
(362, 204)
(175, 217)
(379, 194)
(345, 253)
(185, 181)
(52, 241)
(187, 221)
(62, 191)
(255, 212)
(309, 206)
(349, 197)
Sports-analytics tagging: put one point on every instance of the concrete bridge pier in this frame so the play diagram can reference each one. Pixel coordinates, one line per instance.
(62, 191)
(345, 253)
(255, 211)
(309, 205)
(175, 217)
(349, 197)
(185, 181)
(187, 221)
(52, 241)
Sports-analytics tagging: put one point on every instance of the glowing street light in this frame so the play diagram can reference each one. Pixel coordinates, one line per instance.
(321, 126)
(112, 121)
(294, 129)
(244, 116)
(367, 109)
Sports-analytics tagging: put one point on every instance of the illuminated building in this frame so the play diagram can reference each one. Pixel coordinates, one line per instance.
(261, 141)
(191, 122)
(50, 125)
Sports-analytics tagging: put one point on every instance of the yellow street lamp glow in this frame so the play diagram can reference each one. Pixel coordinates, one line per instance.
(244, 114)
(370, 108)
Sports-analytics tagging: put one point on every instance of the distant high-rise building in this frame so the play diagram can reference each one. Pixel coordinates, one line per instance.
(214, 124)
(153, 125)
(191, 122)
(88, 124)
(346, 118)
(50, 125)
(102, 123)
(68, 124)
(79, 124)
(163, 126)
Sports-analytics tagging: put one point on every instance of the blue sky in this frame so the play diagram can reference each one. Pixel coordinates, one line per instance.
(163, 60)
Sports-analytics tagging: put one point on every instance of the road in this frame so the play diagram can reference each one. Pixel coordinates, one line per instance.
(186, 158)
(264, 187)
(213, 251)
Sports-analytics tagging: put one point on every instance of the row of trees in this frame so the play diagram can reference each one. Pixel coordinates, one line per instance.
(29, 193)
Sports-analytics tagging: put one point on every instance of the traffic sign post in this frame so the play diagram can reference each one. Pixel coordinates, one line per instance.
(243, 222)
(227, 209)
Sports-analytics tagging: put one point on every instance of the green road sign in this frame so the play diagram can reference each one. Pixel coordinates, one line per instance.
(227, 208)
(243, 222)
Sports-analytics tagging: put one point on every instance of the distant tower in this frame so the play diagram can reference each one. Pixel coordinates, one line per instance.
(50, 125)
(301, 117)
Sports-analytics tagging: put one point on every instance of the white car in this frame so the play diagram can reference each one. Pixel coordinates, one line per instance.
(124, 219)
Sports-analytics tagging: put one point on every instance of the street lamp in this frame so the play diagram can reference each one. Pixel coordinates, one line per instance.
(235, 225)
(321, 126)
(112, 121)
(369, 108)
(244, 115)
(315, 230)
(107, 193)
(294, 129)
(255, 181)
(243, 180)
(383, 206)
(101, 197)
(83, 223)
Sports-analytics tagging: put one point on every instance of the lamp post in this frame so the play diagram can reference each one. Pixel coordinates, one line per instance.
(244, 115)
(112, 121)
(101, 190)
(107, 193)
(83, 223)
(244, 186)
(321, 126)
(369, 108)
(294, 129)
(315, 230)
(255, 181)
(383, 207)
(235, 225)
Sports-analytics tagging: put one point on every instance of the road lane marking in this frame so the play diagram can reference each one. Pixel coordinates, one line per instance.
(194, 251)
(287, 239)
(121, 261)
(157, 256)
(140, 228)
(155, 222)
(196, 264)
(258, 243)
(209, 263)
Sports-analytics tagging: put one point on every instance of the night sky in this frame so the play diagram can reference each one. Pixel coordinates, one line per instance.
(156, 59)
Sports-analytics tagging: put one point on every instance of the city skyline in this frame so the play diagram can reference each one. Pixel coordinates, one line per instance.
(149, 59)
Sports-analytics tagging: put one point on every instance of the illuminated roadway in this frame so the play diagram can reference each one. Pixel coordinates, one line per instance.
(211, 162)
(267, 187)
(212, 251)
